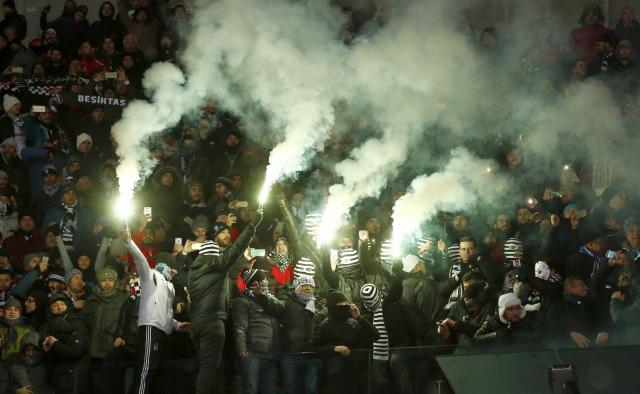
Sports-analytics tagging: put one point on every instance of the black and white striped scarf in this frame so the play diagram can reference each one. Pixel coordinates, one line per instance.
(372, 299)
(68, 223)
(210, 248)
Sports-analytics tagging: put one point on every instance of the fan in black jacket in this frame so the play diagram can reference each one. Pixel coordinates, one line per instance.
(65, 347)
(338, 338)
(510, 328)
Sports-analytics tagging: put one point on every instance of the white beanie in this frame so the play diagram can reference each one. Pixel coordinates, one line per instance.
(507, 300)
(9, 101)
(82, 138)
(409, 262)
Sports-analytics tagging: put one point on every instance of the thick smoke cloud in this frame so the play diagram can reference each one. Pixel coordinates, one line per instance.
(463, 183)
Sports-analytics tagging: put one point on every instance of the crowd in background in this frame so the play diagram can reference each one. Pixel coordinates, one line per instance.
(556, 265)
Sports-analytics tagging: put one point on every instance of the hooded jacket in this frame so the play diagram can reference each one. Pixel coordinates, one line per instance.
(156, 295)
(102, 313)
(255, 329)
(106, 27)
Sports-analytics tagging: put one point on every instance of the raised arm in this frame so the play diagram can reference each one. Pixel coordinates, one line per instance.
(64, 254)
(142, 266)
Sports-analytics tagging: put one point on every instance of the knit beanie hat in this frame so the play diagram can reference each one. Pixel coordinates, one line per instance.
(210, 248)
(508, 300)
(304, 267)
(14, 302)
(9, 101)
(49, 169)
(57, 277)
(107, 273)
(200, 221)
(117, 248)
(409, 262)
(219, 227)
(473, 290)
(334, 297)
(82, 137)
(70, 274)
(370, 296)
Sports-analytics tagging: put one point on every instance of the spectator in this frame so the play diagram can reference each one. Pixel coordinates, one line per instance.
(510, 329)
(156, 314)
(72, 221)
(27, 239)
(585, 37)
(256, 335)
(628, 27)
(338, 338)
(143, 26)
(13, 19)
(107, 26)
(65, 347)
(208, 289)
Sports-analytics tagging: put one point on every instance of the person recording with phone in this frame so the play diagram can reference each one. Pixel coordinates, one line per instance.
(208, 287)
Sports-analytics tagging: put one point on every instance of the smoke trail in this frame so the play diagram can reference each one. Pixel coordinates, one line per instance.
(282, 59)
(461, 184)
(165, 84)
(406, 70)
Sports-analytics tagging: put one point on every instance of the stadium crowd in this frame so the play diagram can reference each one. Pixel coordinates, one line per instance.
(204, 291)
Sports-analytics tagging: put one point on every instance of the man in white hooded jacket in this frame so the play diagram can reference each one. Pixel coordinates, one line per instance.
(155, 319)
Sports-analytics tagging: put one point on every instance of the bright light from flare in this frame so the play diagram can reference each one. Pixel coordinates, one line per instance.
(566, 167)
(488, 170)
(264, 193)
(124, 206)
(328, 226)
(530, 201)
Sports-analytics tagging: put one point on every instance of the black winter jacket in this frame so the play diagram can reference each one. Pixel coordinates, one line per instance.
(255, 330)
(208, 280)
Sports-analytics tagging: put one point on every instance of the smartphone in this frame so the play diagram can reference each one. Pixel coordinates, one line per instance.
(146, 212)
(258, 252)
(178, 241)
(242, 204)
(45, 259)
(611, 254)
(17, 70)
(38, 108)
(111, 75)
(196, 246)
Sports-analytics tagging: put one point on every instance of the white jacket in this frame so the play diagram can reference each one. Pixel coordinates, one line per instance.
(156, 295)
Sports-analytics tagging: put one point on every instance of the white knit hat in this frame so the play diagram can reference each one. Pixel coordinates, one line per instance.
(82, 137)
(9, 101)
(507, 300)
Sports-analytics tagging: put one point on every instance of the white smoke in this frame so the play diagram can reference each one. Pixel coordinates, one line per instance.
(463, 182)
(282, 59)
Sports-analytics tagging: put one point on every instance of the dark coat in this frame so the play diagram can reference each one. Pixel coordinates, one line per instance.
(255, 329)
(127, 328)
(102, 315)
(67, 362)
(298, 323)
(208, 280)
(521, 335)
(423, 307)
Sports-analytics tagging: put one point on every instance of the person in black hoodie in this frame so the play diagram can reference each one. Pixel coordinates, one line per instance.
(35, 308)
(299, 314)
(13, 19)
(338, 338)
(65, 347)
(107, 26)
